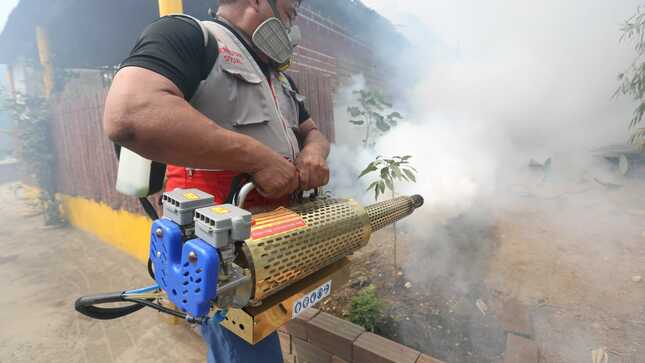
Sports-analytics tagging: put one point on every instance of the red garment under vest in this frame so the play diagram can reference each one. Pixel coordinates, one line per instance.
(216, 183)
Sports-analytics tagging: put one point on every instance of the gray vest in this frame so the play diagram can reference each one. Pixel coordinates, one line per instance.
(237, 95)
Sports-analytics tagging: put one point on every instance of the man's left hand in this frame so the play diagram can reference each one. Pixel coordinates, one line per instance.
(313, 169)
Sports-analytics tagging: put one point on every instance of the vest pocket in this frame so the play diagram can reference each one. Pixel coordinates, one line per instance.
(243, 75)
(249, 103)
(250, 121)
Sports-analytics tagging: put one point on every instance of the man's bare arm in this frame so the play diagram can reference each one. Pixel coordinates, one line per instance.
(311, 163)
(148, 114)
(314, 139)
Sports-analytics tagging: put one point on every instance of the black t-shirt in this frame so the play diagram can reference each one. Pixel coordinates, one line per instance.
(173, 46)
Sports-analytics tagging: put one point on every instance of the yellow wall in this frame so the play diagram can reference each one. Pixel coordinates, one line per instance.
(167, 7)
(45, 60)
(127, 231)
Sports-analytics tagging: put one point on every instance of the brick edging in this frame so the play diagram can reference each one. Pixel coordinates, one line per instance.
(318, 337)
(517, 324)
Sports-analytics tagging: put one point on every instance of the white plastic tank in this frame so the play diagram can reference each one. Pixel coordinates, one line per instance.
(133, 177)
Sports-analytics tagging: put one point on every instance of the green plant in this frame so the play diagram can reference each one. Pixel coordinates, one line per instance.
(632, 81)
(30, 115)
(369, 114)
(390, 171)
(367, 308)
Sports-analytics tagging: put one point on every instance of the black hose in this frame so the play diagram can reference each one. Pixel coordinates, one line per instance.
(166, 310)
(157, 307)
(151, 270)
(86, 305)
(149, 209)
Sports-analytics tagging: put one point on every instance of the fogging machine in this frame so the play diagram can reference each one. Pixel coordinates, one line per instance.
(250, 272)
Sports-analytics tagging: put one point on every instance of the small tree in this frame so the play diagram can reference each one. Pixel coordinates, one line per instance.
(633, 80)
(390, 171)
(30, 115)
(369, 114)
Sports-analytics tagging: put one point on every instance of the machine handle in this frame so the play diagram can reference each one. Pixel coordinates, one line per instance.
(86, 305)
(244, 193)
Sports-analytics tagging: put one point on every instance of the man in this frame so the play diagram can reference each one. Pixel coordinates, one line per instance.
(210, 100)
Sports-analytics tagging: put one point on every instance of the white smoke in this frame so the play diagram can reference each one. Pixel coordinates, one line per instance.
(497, 83)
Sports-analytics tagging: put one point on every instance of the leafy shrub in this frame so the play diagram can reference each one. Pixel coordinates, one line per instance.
(367, 308)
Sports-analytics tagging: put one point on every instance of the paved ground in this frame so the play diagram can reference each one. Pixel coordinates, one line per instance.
(44, 271)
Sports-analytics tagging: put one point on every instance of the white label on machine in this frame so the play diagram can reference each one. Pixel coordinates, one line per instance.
(311, 299)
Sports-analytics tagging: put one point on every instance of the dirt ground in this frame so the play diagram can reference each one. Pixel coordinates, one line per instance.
(577, 261)
(45, 270)
(572, 253)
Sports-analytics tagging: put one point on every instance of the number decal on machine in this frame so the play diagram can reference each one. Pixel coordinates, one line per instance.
(311, 299)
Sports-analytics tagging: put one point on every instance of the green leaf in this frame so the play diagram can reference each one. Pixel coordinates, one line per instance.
(389, 184)
(381, 99)
(357, 122)
(382, 125)
(410, 175)
(381, 185)
(397, 172)
(354, 111)
(370, 168)
(547, 165)
(385, 172)
(395, 115)
(372, 186)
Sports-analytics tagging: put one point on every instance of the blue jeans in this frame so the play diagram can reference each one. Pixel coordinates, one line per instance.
(226, 347)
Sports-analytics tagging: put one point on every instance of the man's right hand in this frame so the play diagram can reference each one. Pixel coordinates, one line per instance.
(277, 177)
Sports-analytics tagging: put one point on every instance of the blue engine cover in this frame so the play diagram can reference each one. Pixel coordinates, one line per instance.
(191, 286)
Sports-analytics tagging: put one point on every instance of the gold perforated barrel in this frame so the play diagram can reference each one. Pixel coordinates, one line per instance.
(288, 245)
(385, 213)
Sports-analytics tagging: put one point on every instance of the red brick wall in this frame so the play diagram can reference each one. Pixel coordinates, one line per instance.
(318, 337)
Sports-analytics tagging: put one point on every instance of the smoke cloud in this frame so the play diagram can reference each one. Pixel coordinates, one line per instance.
(488, 87)
(500, 82)
(497, 83)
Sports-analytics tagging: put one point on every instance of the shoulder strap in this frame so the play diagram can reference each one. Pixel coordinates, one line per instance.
(210, 43)
(196, 21)
(228, 39)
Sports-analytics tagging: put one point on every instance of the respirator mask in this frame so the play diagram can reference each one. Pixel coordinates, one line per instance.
(276, 40)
